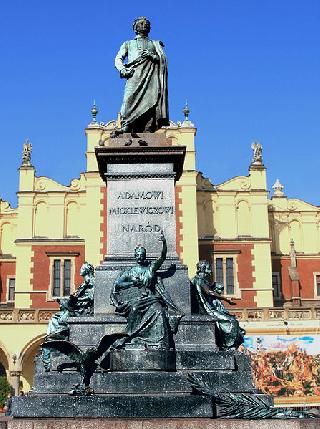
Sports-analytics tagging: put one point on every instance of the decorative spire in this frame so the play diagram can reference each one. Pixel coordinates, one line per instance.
(26, 153)
(257, 153)
(278, 189)
(186, 111)
(94, 112)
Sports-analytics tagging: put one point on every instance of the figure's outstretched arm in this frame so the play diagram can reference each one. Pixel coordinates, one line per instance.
(228, 300)
(157, 264)
(207, 289)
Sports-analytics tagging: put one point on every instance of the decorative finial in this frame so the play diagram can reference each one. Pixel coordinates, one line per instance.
(186, 111)
(94, 112)
(26, 153)
(186, 122)
(257, 153)
(278, 189)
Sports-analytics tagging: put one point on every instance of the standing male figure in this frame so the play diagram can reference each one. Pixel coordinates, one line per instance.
(145, 102)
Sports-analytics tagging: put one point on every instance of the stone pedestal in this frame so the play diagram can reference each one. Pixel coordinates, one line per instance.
(140, 179)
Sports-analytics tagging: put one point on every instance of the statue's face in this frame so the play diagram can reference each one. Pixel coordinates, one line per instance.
(219, 288)
(140, 254)
(142, 27)
(204, 268)
(83, 270)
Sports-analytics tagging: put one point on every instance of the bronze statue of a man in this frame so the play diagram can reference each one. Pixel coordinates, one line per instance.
(143, 63)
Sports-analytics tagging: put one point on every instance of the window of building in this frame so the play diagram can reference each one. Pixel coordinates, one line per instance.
(11, 288)
(62, 274)
(225, 270)
(317, 285)
(276, 285)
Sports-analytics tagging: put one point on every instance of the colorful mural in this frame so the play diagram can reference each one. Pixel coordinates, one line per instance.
(286, 366)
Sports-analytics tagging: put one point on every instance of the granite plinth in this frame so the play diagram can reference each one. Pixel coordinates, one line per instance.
(134, 382)
(121, 406)
(165, 423)
(142, 360)
(221, 371)
(207, 359)
(196, 332)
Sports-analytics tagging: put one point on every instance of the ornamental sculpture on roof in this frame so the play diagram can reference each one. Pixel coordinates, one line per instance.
(142, 62)
(26, 153)
(257, 153)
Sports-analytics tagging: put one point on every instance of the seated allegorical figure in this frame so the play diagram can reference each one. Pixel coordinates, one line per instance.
(139, 295)
(78, 304)
(209, 297)
(82, 300)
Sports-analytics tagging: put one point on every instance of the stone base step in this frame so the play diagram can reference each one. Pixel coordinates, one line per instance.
(164, 423)
(120, 406)
(141, 382)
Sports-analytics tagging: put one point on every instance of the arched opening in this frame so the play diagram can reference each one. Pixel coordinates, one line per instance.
(40, 220)
(28, 355)
(73, 224)
(6, 238)
(4, 363)
(296, 234)
(243, 218)
(3, 372)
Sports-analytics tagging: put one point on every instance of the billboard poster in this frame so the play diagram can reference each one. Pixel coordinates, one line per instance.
(286, 365)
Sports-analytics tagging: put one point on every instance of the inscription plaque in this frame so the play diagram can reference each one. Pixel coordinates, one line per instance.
(139, 206)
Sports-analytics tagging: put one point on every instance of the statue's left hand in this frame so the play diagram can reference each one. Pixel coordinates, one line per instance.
(149, 55)
(146, 54)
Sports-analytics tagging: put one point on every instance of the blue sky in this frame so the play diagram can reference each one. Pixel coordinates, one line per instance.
(250, 70)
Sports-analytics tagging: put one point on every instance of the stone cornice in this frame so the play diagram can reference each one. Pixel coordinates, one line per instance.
(45, 240)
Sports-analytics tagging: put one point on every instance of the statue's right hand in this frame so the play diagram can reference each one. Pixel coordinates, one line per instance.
(126, 73)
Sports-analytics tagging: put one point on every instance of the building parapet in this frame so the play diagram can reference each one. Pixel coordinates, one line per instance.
(39, 315)
(18, 315)
(274, 314)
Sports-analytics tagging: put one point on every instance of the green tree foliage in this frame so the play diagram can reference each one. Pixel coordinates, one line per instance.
(5, 389)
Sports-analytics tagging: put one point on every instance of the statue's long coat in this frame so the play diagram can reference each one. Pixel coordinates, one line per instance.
(147, 88)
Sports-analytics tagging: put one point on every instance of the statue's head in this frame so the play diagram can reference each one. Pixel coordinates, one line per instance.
(86, 268)
(140, 254)
(203, 267)
(218, 288)
(141, 25)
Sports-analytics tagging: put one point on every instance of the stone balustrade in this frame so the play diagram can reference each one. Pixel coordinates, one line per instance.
(277, 313)
(18, 315)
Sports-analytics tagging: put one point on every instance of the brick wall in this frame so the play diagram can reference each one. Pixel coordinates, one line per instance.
(245, 272)
(40, 268)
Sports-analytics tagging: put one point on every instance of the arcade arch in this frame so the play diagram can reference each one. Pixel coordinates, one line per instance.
(27, 357)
